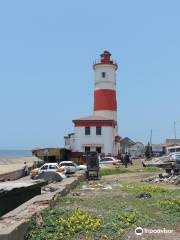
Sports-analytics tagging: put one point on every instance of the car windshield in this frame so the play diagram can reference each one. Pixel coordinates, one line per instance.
(44, 167)
(52, 167)
(64, 164)
(105, 160)
(71, 164)
(67, 164)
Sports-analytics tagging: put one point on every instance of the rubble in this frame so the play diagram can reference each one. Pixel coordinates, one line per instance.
(164, 178)
(101, 186)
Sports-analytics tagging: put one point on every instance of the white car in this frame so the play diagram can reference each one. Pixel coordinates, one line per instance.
(81, 167)
(48, 167)
(109, 161)
(71, 167)
(174, 156)
(68, 166)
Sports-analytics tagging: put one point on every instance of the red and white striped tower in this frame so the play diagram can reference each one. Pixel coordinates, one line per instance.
(105, 103)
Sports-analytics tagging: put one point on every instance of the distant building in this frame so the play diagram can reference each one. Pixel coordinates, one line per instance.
(99, 132)
(173, 149)
(172, 145)
(69, 141)
(125, 144)
(172, 142)
(158, 149)
(137, 150)
(51, 154)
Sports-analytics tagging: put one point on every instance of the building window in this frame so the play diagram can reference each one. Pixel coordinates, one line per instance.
(87, 149)
(87, 131)
(98, 149)
(103, 74)
(98, 130)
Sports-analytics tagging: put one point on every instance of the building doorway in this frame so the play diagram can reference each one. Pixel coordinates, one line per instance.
(87, 149)
(98, 149)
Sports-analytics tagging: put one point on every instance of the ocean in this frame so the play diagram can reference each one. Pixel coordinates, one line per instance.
(15, 153)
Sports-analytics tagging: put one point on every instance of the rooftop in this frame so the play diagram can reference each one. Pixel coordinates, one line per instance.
(94, 118)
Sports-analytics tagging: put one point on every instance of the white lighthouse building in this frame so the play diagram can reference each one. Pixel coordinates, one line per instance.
(99, 132)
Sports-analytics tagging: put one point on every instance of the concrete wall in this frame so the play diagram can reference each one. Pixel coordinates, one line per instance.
(12, 175)
(15, 193)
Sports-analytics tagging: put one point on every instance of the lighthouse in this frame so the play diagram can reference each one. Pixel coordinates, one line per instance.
(99, 131)
(105, 103)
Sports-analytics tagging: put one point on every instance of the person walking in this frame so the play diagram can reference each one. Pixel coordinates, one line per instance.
(126, 160)
(26, 169)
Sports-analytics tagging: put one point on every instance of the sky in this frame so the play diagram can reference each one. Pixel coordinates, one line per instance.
(47, 49)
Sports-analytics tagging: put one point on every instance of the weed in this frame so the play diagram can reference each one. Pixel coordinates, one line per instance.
(171, 205)
(143, 187)
(63, 224)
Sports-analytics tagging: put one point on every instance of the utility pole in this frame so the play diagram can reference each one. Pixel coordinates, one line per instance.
(175, 135)
(150, 150)
(151, 138)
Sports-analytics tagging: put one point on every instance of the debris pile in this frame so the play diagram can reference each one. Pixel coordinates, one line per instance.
(164, 178)
(100, 186)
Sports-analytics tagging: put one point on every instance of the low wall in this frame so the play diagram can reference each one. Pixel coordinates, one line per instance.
(11, 168)
(11, 176)
(14, 225)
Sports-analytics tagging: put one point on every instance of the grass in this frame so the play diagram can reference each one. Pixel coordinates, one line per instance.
(112, 171)
(108, 214)
(75, 223)
(151, 169)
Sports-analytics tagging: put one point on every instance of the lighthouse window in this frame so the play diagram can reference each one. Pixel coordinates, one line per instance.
(87, 131)
(98, 130)
(103, 74)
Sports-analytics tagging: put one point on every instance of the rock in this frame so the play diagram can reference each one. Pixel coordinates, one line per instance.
(163, 175)
(85, 187)
(177, 181)
(76, 194)
(117, 185)
(156, 180)
(144, 195)
(48, 189)
(107, 187)
(148, 179)
(39, 219)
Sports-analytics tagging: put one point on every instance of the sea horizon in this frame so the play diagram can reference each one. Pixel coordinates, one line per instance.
(15, 153)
